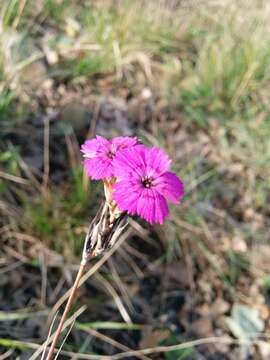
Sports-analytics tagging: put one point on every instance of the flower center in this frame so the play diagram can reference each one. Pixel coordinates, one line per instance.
(110, 154)
(147, 182)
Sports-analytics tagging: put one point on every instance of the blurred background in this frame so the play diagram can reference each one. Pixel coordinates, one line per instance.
(190, 76)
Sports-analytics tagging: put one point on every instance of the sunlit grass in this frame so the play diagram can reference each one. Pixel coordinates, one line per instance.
(229, 66)
(205, 62)
(208, 61)
(58, 216)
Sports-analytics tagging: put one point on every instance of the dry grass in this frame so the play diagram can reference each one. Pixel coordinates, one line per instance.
(192, 77)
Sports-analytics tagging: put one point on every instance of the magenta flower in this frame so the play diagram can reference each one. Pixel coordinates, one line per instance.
(99, 153)
(144, 183)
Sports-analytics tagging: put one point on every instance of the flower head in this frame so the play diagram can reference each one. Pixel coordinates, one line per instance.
(144, 183)
(99, 153)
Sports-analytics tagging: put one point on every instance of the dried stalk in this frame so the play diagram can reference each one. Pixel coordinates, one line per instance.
(66, 311)
(103, 232)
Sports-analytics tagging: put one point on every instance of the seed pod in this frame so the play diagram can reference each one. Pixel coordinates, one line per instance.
(104, 231)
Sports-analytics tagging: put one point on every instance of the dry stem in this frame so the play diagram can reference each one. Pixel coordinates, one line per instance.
(67, 308)
(101, 235)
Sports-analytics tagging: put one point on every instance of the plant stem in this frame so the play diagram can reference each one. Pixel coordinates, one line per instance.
(67, 308)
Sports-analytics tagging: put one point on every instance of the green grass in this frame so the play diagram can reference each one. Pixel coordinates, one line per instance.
(10, 13)
(22, 315)
(229, 65)
(201, 63)
(205, 62)
(108, 325)
(6, 98)
(56, 217)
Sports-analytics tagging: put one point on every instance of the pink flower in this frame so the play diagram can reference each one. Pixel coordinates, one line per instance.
(144, 183)
(99, 153)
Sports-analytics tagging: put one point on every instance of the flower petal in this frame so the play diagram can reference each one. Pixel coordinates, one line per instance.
(161, 208)
(170, 186)
(157, 162)
(126, 195)
(98, 168)
(129, 162)
(121, 142)
(152, 206)
(92, 147)
(99, 153)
